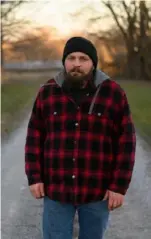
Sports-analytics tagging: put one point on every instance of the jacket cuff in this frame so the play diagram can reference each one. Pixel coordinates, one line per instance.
(33, 180)
(116, 189)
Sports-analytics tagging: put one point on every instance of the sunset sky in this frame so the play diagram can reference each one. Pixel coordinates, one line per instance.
(57, 14)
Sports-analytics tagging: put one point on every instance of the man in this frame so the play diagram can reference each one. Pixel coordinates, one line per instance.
(80, 146)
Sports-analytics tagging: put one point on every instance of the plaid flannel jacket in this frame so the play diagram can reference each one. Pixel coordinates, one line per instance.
(79, 152)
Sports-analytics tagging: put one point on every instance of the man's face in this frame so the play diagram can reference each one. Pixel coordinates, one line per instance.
(78, 65)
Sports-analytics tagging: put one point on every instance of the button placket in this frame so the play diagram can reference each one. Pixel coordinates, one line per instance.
(75, 154)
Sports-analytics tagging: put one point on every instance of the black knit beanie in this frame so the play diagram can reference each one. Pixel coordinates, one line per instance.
(80, 44)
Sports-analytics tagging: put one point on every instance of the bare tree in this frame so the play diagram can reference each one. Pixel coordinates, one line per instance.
(133, 22)
(11, 5)
(35, 45)
(144, 42)
(134, 31)
(10, 26)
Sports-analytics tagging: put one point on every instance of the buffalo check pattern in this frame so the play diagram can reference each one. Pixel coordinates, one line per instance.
(78, 156)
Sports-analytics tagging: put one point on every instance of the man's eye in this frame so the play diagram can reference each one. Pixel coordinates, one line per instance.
(71, 58)
(83, 58)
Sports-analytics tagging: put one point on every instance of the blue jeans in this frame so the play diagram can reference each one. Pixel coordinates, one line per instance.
(58, 219)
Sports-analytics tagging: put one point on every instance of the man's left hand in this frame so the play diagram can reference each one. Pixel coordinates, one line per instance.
(115, 200)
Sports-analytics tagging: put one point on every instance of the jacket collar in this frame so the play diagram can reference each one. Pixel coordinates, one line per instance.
(99, 77)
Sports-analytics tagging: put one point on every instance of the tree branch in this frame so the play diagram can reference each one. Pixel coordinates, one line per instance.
(127, 10)
(109, 6)
(13, 5)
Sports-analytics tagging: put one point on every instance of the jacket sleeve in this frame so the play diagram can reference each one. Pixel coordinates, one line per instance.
(34, 144)
(124, 149)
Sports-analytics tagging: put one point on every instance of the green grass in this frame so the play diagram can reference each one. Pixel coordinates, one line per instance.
(18, 91)
(16, 98)
(139, 97)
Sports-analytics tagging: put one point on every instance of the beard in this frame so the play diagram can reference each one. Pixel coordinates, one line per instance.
(76, 78)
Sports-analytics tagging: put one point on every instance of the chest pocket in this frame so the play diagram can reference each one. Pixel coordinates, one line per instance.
(96, 123)
(55, 121)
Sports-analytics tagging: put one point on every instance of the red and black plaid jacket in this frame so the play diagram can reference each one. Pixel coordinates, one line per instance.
(76, 154)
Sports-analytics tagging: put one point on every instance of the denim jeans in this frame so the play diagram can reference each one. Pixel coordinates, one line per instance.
(58, 219)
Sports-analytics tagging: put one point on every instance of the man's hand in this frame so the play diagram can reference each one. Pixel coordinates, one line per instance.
(115, 200)
(37, 190)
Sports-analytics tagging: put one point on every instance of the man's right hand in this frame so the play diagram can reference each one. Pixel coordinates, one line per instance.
(37, 190)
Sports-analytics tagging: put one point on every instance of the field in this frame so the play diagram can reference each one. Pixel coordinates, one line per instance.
(139, 97)
(17, 97)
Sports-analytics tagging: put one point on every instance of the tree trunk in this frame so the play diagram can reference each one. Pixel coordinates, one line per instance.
(131, 66)
(143, 42)
(2, 50)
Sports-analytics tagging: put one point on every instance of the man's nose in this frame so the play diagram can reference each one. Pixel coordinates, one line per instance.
(77, 62)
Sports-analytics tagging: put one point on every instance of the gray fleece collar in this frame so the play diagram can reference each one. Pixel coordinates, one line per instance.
(100, 76)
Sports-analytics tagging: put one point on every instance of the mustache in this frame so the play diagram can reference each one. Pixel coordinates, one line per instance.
(76, 69)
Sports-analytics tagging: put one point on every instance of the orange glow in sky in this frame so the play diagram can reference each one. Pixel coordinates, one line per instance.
(57, 14)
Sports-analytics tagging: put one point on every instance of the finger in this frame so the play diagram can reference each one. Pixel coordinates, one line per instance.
(33, 192)
(120, 203)
(115, 204)
(106, 196)
(110, 204)
(42, 190)
(37, 192)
